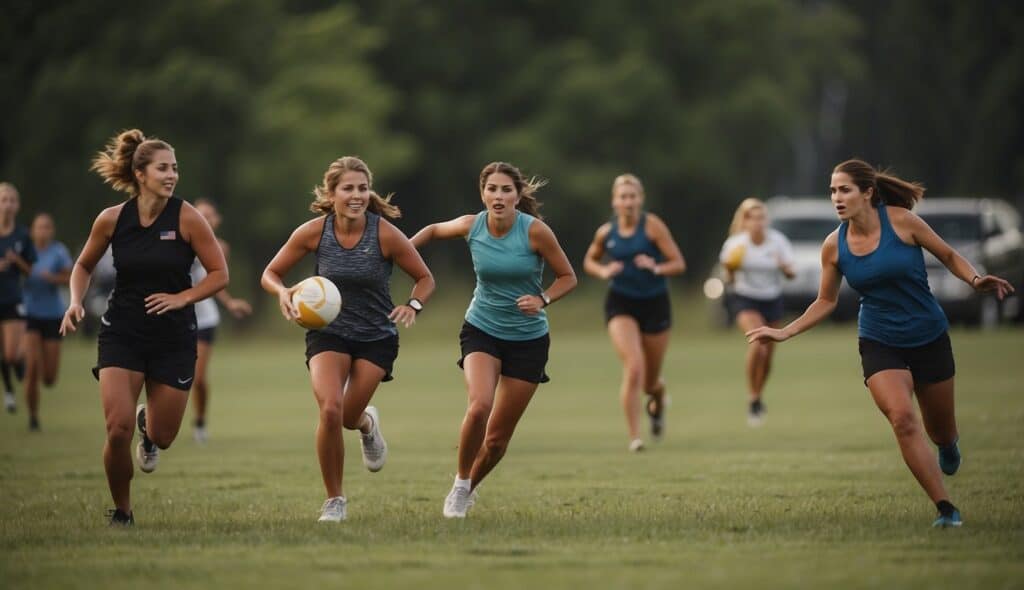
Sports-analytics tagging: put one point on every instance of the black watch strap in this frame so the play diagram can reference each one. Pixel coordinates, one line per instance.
(415, 304)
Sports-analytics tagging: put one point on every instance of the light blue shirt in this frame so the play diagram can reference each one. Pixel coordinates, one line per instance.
(506, 269)
(42, 300)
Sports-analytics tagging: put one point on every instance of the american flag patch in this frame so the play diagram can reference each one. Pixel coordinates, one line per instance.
(168, 235)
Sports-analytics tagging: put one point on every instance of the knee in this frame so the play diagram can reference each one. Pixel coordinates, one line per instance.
(331, 415)
(904, 423)
(634, 373)
(762, 351)
(496, 446)
(478, 412)
(119, 432)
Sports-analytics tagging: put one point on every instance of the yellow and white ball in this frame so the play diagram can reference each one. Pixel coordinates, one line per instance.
(318, 302)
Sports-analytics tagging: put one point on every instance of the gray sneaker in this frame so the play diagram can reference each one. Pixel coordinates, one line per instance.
(10, 402)
(334, 510)
(375, 449)
(457, 503)
(146, 452)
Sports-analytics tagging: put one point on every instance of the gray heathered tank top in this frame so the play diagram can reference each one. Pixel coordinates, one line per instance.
(361, 274)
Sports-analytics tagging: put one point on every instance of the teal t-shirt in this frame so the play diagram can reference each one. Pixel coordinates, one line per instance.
(506, 269)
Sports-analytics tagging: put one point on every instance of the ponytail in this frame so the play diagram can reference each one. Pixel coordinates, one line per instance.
(125, 153)
(889, 189)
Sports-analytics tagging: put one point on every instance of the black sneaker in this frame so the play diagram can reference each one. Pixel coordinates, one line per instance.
(656, 411)
(33, 424)
(755, 415)
(118, 518)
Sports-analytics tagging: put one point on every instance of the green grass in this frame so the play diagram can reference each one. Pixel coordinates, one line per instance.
(818, 497)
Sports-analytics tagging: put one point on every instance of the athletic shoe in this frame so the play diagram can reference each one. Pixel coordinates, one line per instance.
(755, 415)
(334, 510)
(375, 449)
(636, 445)
(33, 424)
(199, 434)
(458, 502)
(949, 458)
(118, 518)
(10, 402)
(473, 497)
(656, 411)
(950, 520)
(146, 452)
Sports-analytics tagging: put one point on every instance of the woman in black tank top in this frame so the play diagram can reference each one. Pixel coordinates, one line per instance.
(148, 333)
(355, 248)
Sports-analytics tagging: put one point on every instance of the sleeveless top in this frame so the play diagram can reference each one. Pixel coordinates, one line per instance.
(150, 260)
(633, 281)
(11, 277)
(207, 314)
(896, 306)
(506, 269)
(361, 274)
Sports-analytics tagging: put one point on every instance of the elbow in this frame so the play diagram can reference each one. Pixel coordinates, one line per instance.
(570, 281)
(266, 281)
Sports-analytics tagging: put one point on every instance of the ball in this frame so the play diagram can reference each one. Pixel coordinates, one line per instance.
(734, 259)
(318, 302)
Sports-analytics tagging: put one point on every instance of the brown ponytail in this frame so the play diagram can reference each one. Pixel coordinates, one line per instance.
(324, 203)
(526, 187)
(125, 153)
(889, 189)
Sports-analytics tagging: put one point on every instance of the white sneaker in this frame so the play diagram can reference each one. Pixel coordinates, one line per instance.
(147, 458)
(10, 402)
(636, 445)
(457, 503)
(200, 435)
(334, 510)
(375, 449)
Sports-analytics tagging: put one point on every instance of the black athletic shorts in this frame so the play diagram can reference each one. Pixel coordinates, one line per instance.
(49, 329)
(930, 363)
(207, 335)
(770, 309)
(520, 359)
(654, 314)
(12, 311)
(381, 352)
(170, 363)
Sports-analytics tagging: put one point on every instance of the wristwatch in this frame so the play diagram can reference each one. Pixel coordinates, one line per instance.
(415, 304)
(544, 297)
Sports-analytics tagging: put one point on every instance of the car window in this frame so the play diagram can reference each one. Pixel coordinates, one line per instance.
(955, 227)
(805, 229)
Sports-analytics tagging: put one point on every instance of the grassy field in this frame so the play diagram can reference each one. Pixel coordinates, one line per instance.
(818, 497)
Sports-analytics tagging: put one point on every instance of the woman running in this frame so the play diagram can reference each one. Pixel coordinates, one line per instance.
(44, 309)
(637, 309)
(16, 258)
(148, 333)
(355, 248)
(904, 346)
(207, 320)
(756, 259)
(504, 339)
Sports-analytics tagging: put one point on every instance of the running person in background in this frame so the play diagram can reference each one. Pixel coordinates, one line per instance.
(504, 339)
(756, 259)
(16, 258)
(44, 309)
(356, 249)
(904, 347)
(207, 320)
(637, 309)
(148, 333)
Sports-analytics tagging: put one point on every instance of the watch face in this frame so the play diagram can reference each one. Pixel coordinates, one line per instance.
(416, 305)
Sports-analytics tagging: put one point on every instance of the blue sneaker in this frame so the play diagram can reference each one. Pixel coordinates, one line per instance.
(949, 458)
(945, 521)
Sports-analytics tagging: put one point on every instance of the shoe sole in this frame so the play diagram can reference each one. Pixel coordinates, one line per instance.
(372, 467)
(139, 456)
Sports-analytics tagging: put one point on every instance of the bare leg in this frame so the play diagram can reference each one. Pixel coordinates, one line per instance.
(33, 371)
(119, 390)
(165, 407)
(757, 353)
(481, 373)
(654, 347)
(892, 390)
(51, 362)
(510, 402)
(362, 383)
(201, 386)
(329, 371)
(938, 411)
(625, 335)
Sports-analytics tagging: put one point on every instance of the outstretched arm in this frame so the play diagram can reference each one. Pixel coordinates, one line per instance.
(445, 230)
(99, 238)
(823, 306)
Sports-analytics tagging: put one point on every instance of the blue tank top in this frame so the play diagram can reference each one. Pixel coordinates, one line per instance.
(896, 306)
(633, 281)
(506, 269)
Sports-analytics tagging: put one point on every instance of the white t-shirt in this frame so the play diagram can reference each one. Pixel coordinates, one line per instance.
(758, 275)
(207, 314)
